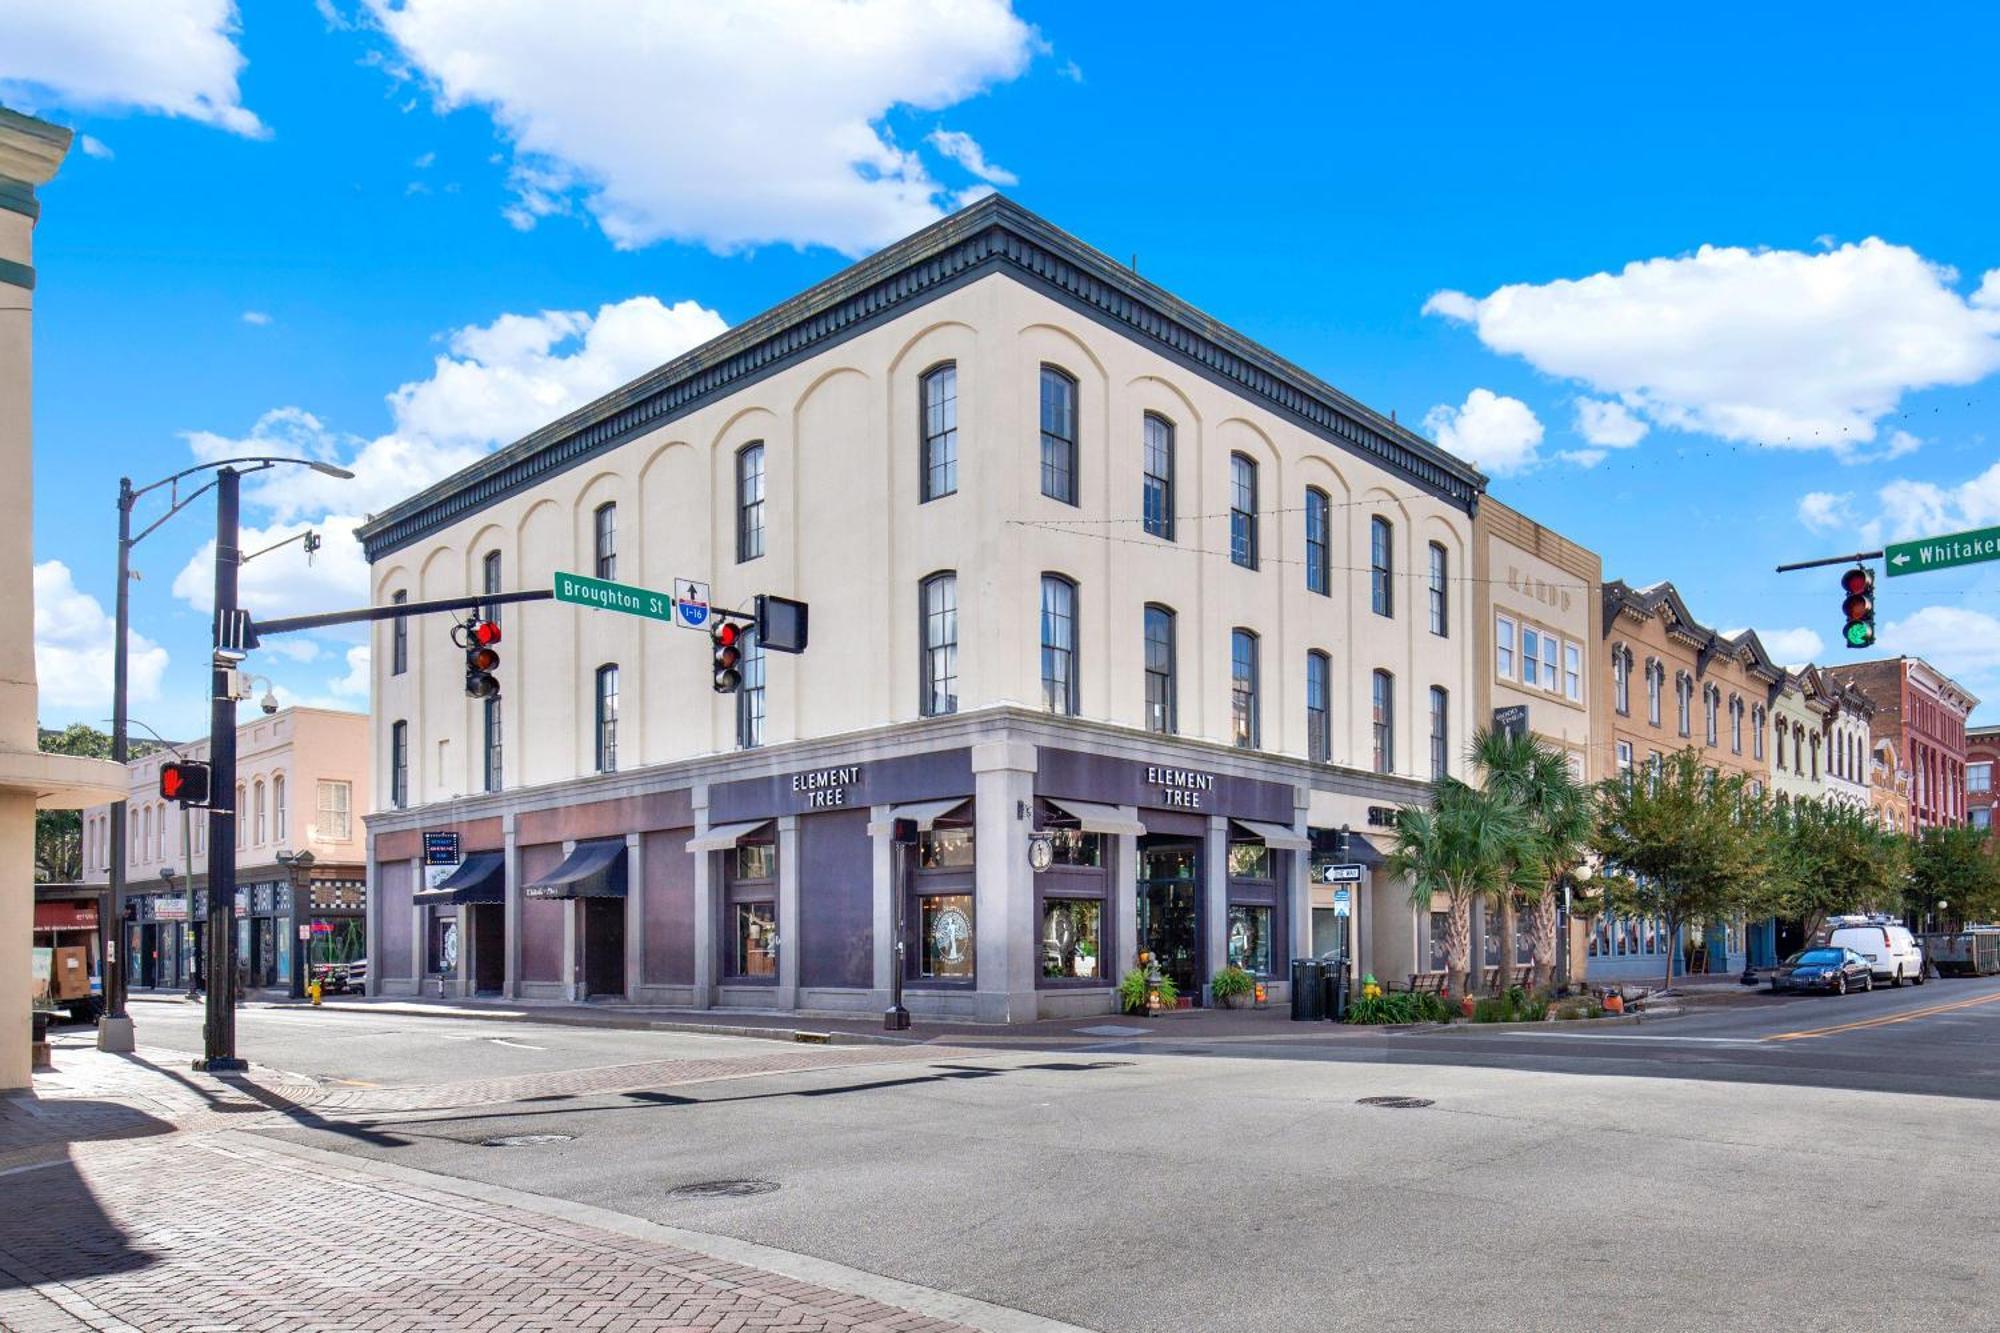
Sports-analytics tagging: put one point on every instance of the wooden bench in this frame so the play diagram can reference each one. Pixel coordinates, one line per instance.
(1431, 983)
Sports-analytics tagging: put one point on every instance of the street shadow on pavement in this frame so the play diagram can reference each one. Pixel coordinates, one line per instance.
(29, 1122)
(52, 1228)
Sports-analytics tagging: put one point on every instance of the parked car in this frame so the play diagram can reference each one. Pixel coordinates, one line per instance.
(1824, 969)
(342, 978)
(1892, 952)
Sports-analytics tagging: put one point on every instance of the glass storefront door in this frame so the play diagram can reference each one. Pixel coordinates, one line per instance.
(1169, 902)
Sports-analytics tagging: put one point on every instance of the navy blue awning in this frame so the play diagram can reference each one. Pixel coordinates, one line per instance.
(480, 878)
(593, 870)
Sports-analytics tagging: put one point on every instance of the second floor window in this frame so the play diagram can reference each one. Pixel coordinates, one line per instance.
(1621, 679)
(491, 738)
(1058, 435)
(399, 639)
(1243, 511)
(399, 766)
(1757, 732)
(1381, 566)
(1058, 644)
(1440, 733)
(1243, 688)
(1503, 648)
(334, 813)
(1383, 699)
(1711, 707)
(939, 597)
(1319, 542)
(1656, 683)
(1684, 702)
(1319, 713)
(1157, 497)
(749, 502)
(750, 695)
(939, 452)
(605, 540)
(1735, 725)
(1573, 672)
(607, 718)
(1439, 599)
(1160, 704)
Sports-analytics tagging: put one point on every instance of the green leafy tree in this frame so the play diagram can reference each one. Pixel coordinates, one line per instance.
(1683, 844)
(1956, 866)
(59, 833)
(1559, 810)
(1833, 858)
(1466, 843)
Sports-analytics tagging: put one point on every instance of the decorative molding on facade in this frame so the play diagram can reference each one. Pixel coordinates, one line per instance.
(993, 236)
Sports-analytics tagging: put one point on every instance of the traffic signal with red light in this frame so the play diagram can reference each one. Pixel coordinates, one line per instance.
(1857, 588)
(482, 657)
(726, 638)
(184, 782)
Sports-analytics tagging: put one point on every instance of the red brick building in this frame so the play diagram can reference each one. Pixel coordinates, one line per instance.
(1982, 756)
(1923, 711)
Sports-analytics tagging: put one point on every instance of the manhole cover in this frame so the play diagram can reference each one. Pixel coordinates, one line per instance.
(526, 1140)
(1396, 1103)
(723, 1189)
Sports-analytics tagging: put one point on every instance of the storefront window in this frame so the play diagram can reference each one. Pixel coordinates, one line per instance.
(1070, 938)
(946, 922)
(444, 944)
(1074, 847)
(1440, 923)
(1250, 939)
(1249, 860)
(945, 849)
(756, 940)
(756, 860)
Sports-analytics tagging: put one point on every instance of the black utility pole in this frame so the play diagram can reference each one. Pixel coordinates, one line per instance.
(902, 838)
(219, 1031)
(114, 1030)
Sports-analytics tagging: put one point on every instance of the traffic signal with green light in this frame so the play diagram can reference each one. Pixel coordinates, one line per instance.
(1857, 586)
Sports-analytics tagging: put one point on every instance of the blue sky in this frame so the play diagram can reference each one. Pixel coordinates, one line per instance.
(1701, 292)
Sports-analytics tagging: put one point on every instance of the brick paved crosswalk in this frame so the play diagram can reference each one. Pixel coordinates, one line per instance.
(126, 1205)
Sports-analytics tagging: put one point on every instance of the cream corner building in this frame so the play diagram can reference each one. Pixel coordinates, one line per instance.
(1078, 559)
(30, 152)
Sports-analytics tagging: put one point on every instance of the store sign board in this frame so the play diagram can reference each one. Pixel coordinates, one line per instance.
(1179, 788)
(826, 788)
(441, 848)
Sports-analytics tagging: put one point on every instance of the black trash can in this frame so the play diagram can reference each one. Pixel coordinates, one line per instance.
(1308, 991)
(1334, 1005)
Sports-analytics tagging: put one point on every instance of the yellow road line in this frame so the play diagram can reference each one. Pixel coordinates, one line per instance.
(1886, 1020)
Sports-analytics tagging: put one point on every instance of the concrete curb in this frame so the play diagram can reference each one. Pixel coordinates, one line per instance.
(1546, 1025)
(800, 1267)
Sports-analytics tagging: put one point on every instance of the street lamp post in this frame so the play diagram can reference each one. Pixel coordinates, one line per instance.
(298, 871)
(114, 1031)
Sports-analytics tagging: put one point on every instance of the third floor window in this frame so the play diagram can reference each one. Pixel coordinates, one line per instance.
(940, 432)
(1058, 435)
(749, 502)
(1243, 511)
(1319, 542)
(1440, 605)
(606, 541)
(1381, 566)
(1157, 500)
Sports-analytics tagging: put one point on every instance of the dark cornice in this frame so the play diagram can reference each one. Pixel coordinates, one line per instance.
(994, 235)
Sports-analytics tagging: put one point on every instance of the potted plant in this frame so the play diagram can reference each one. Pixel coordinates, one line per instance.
(1231, 987)
(1145, 990)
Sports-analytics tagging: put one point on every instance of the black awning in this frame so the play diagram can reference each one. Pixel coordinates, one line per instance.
(480, 878)
(1363, 852)
(593, 870)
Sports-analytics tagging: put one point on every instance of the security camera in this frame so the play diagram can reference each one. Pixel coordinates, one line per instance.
(269, 703)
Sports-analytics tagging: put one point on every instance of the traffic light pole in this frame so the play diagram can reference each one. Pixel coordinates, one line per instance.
(219, 1028)
(114, 1029)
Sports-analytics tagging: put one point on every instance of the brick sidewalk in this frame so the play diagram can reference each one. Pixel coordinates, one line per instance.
(195, 1229)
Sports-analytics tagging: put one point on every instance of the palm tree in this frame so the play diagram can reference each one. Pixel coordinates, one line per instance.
(1558, 809)
(1467, 842)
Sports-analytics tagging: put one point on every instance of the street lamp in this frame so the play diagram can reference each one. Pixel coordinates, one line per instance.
(114, 1031)
(298, 867)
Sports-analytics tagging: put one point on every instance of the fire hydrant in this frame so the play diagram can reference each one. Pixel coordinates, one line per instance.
(313, 989)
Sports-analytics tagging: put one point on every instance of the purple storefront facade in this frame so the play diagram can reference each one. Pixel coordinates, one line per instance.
(1049, 856)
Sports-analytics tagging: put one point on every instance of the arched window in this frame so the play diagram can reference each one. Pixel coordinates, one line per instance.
(1058, 435)
(1243, 510)
(604, 528)
(1621, 678)
(399, 638)
(1243, 688)
(1157, 490)
(1440, 602)
(938, 453)
(1319, 542)
(1656, 683)
(399, 768)
(1319, 710)
(607, 718)
(1161, 704)
(146, 852)
(750, 501)
(489, 582)
(1059, 685)
(938, 607)
(263, 818)
(242, 818)
(1736, 724)
(1381, 566)
(1383, 700)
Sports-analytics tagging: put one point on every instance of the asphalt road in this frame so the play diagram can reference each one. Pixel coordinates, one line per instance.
(1700, 1170)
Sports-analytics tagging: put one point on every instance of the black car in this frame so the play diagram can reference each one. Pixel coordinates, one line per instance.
(1835, 970)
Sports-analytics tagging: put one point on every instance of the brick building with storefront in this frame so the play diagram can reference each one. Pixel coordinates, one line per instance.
(1923, 712)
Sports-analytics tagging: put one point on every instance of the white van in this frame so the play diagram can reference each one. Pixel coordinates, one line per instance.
(1892, 952)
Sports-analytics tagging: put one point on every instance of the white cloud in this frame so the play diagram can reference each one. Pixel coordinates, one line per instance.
(1583, 458)
(173, 57)
(93, 146)
(74, 638)
(1777, 347)
(282, 582)
(256, 317)
(353, 685)
(963, 149)
(1824, 511)
(1496, 433)
(1793, 647)
(1963, 643)
(727, 125)
(424, 161)
(1608, 423)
